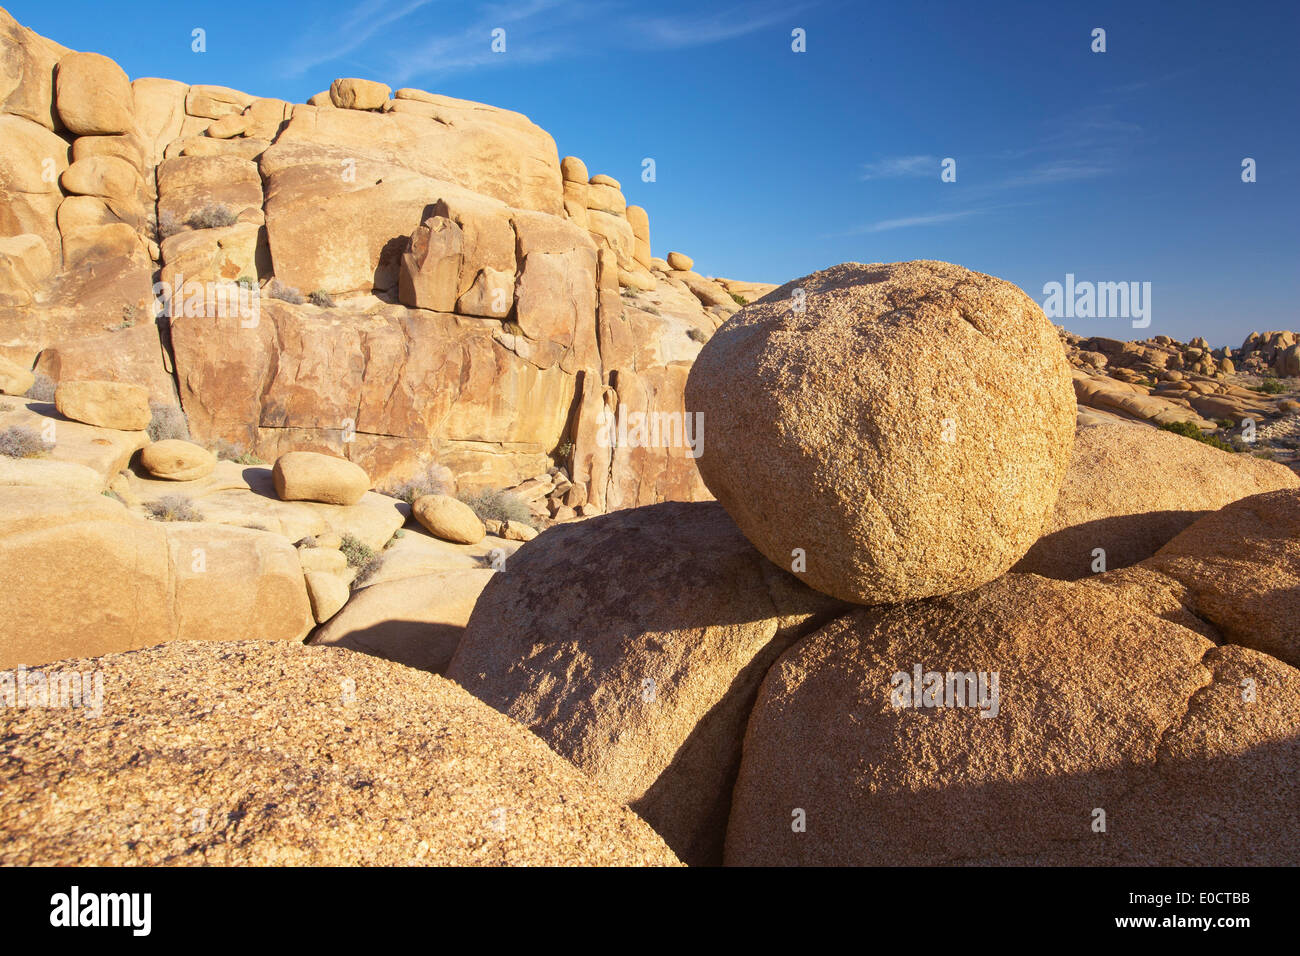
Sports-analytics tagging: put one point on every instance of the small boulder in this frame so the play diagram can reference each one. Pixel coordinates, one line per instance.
(327, 592)
(449, 519)
(93, 95)
(680, 261)
(176, 460)
(353, 94)
(312, 476)
(105, 404)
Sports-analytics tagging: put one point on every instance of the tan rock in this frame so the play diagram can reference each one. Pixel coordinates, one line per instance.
(680, 261)
(132, 355)
(491, 295)
(355, 94)
(606, 198)
(14, 379)
(193, 736)
(1171, 744)
(31, 161)
(1130, 489)
(513, 530)
(105, 404)
(556, 293)
(639, 220)
(431, 266)
(643, 673)
(160, 115)
(416, 621)
(573, 170)
(214, 102)
(25, 264)
(83, 576)
(27, 63)
(93, 95)
(327, 559)
(177, 460)
(311, 476)
(1239, 569)
(127, 147)
(445, 517)
(918, 478)
(602, 180)
(228, 127)
(328, 593)
(189, 184)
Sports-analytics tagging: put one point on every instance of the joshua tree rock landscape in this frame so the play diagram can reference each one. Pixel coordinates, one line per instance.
(370, 494)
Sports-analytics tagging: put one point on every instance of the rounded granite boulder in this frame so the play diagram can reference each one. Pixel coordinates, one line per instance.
(887, 432)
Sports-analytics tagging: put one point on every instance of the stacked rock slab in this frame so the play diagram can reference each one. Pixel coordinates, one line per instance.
(873, 475)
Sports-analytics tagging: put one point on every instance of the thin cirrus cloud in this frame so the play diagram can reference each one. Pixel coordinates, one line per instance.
(366, 20)
(537, 31)
(899, 167)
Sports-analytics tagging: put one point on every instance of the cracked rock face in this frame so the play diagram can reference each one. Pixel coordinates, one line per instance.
(903, 428)
(633, 644)
(1100, 706)
(280, 754)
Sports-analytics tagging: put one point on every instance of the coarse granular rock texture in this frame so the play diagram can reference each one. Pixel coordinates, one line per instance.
(1100, 706)
(633, 644)
(1239, 570)
(1130, 489)
(906, 427)
(274, 754)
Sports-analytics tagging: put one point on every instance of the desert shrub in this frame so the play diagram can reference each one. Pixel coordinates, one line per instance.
(1270, 386)
(173, 508)
(738, 298)
(1145, 383)
(651, 309)
(1224, 422)
(168, 225)
(627, 293)
(42, 389)
(215, 216)
(286, 293)
(432, 481)
(130, 314)
(696, 335)
(362, 557)
(321, 299)
(1267, 454)
(168, 421)
(495, 504)
(233, 451)
(247, 282)
(1188, 430)
(564, 449)
(18, 441)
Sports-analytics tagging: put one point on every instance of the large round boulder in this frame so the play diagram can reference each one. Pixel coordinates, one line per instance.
(903, 429)
(448, 518)
(633, 644)
(174, 459)
(274, 754)
(1052, 724)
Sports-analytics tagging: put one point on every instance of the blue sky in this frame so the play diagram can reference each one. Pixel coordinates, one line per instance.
(1116, 166)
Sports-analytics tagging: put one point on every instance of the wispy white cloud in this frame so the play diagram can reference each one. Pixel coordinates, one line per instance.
(1061, 171)
(897, 167)
(907, 222)
(679, 32)
(365, 20)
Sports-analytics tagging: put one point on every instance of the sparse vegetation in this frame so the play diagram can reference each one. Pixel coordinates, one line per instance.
(651, 309)
(18, 441)
(307, 542)
(738, 298)
(215, 216)
(173, 508)
(433, 481)
(564, 449)
(247, 282)
(1145, 383)
(321, 299)
(42, 389)
(130, 314)
(168, 225)
(495, 504)
(362, 557)
(110, 493)
(233, 451)
(1270, 386)
(168, 422)
(1188, 430)
(286, 293)
(696, 335)
(1224, 423)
